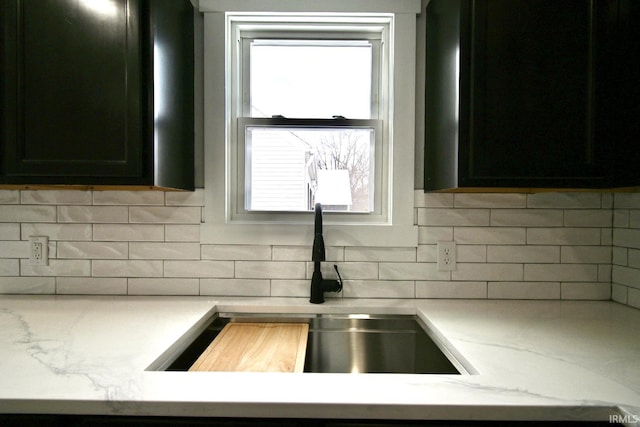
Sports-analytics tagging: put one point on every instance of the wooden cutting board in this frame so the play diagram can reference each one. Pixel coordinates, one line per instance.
(256, 347)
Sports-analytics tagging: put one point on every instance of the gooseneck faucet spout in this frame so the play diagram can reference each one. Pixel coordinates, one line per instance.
(319, 285)
(318, 253)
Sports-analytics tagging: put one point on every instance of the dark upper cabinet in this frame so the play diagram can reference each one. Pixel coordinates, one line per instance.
(530, 93)
(98, 93)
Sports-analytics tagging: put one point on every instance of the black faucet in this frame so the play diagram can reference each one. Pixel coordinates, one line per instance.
(319, 285)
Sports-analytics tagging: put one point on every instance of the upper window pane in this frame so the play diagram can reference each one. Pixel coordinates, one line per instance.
(311, 78)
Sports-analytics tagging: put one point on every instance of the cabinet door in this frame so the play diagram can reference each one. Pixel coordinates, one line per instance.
(623, 106)
(73, 95)
(529, 90)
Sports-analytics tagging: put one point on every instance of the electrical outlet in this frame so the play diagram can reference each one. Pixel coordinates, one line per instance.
(446, 256)
(38, 250)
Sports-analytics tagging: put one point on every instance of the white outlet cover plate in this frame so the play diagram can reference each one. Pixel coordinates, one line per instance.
(446, 256)
(43, 258)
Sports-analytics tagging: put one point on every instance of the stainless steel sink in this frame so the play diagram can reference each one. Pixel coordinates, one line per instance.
(355, 343)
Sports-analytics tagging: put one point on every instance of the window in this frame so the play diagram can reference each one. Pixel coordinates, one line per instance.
(311, 72)
(305, 106)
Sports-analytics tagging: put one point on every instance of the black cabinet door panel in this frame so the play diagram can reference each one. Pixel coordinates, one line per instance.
(532, 94)
(539, 95)
(75, 85)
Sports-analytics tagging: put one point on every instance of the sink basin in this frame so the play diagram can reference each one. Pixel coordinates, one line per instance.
(344, 343)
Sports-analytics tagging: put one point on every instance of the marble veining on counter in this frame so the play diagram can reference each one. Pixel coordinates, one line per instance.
(558, 360)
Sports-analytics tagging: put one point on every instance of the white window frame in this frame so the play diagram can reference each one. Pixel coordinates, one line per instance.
(223, 222)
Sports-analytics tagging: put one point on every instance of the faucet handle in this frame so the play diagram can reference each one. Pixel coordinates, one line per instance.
(339, 278)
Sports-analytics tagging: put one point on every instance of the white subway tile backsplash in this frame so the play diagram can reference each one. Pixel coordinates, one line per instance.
(91, 285)
(563, 236)
(158, 250)
(565, 200)
(562, 245)
(626, 200)
(621, 218)
(604, 273)
(300, 253)
(451, 289)
(410, 271)
(380, 254)
(93, 214)
(9, 231)
(432, 235)
(427, 253)
(633, 298)
(526, 217)
(185, 198)
(471, 253)
(128, 268)
(453, 217)
(619, 293)
(9, 197)
(57, 267)
(182, 233)
(490, 235)
(490, 200)
(236, 252)
(290, 288)
(626, 237)
(561, 272)
(488, 272)
(165, 215)
(27, 285)
(27, 213)
(270, 270)
(619, 256)
(55, 197)
(586, 291)
(235, 287)
(74, 232)
(433, 200)
(128, 198)
(203, 269)
(634, 258)
(93, 250)
(634, 219)
(378, 289)
(158, 286)
(524, 290)
(128, 232)
(587, 218)
(14, 249)
(586, 254)
(626, 276)
(9, 267)
(522, 254)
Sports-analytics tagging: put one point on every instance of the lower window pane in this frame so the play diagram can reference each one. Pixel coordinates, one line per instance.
(292, 168)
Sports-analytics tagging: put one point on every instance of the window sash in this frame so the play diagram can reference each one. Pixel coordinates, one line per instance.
(374, 36)
(378, 159)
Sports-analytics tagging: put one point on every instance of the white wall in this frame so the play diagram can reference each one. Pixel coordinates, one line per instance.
(531, 246)
(626, 249)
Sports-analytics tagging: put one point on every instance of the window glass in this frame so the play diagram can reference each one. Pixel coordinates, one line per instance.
(311, 78)
(292, 168)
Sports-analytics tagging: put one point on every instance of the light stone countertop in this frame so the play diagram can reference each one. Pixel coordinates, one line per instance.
(531, 360)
